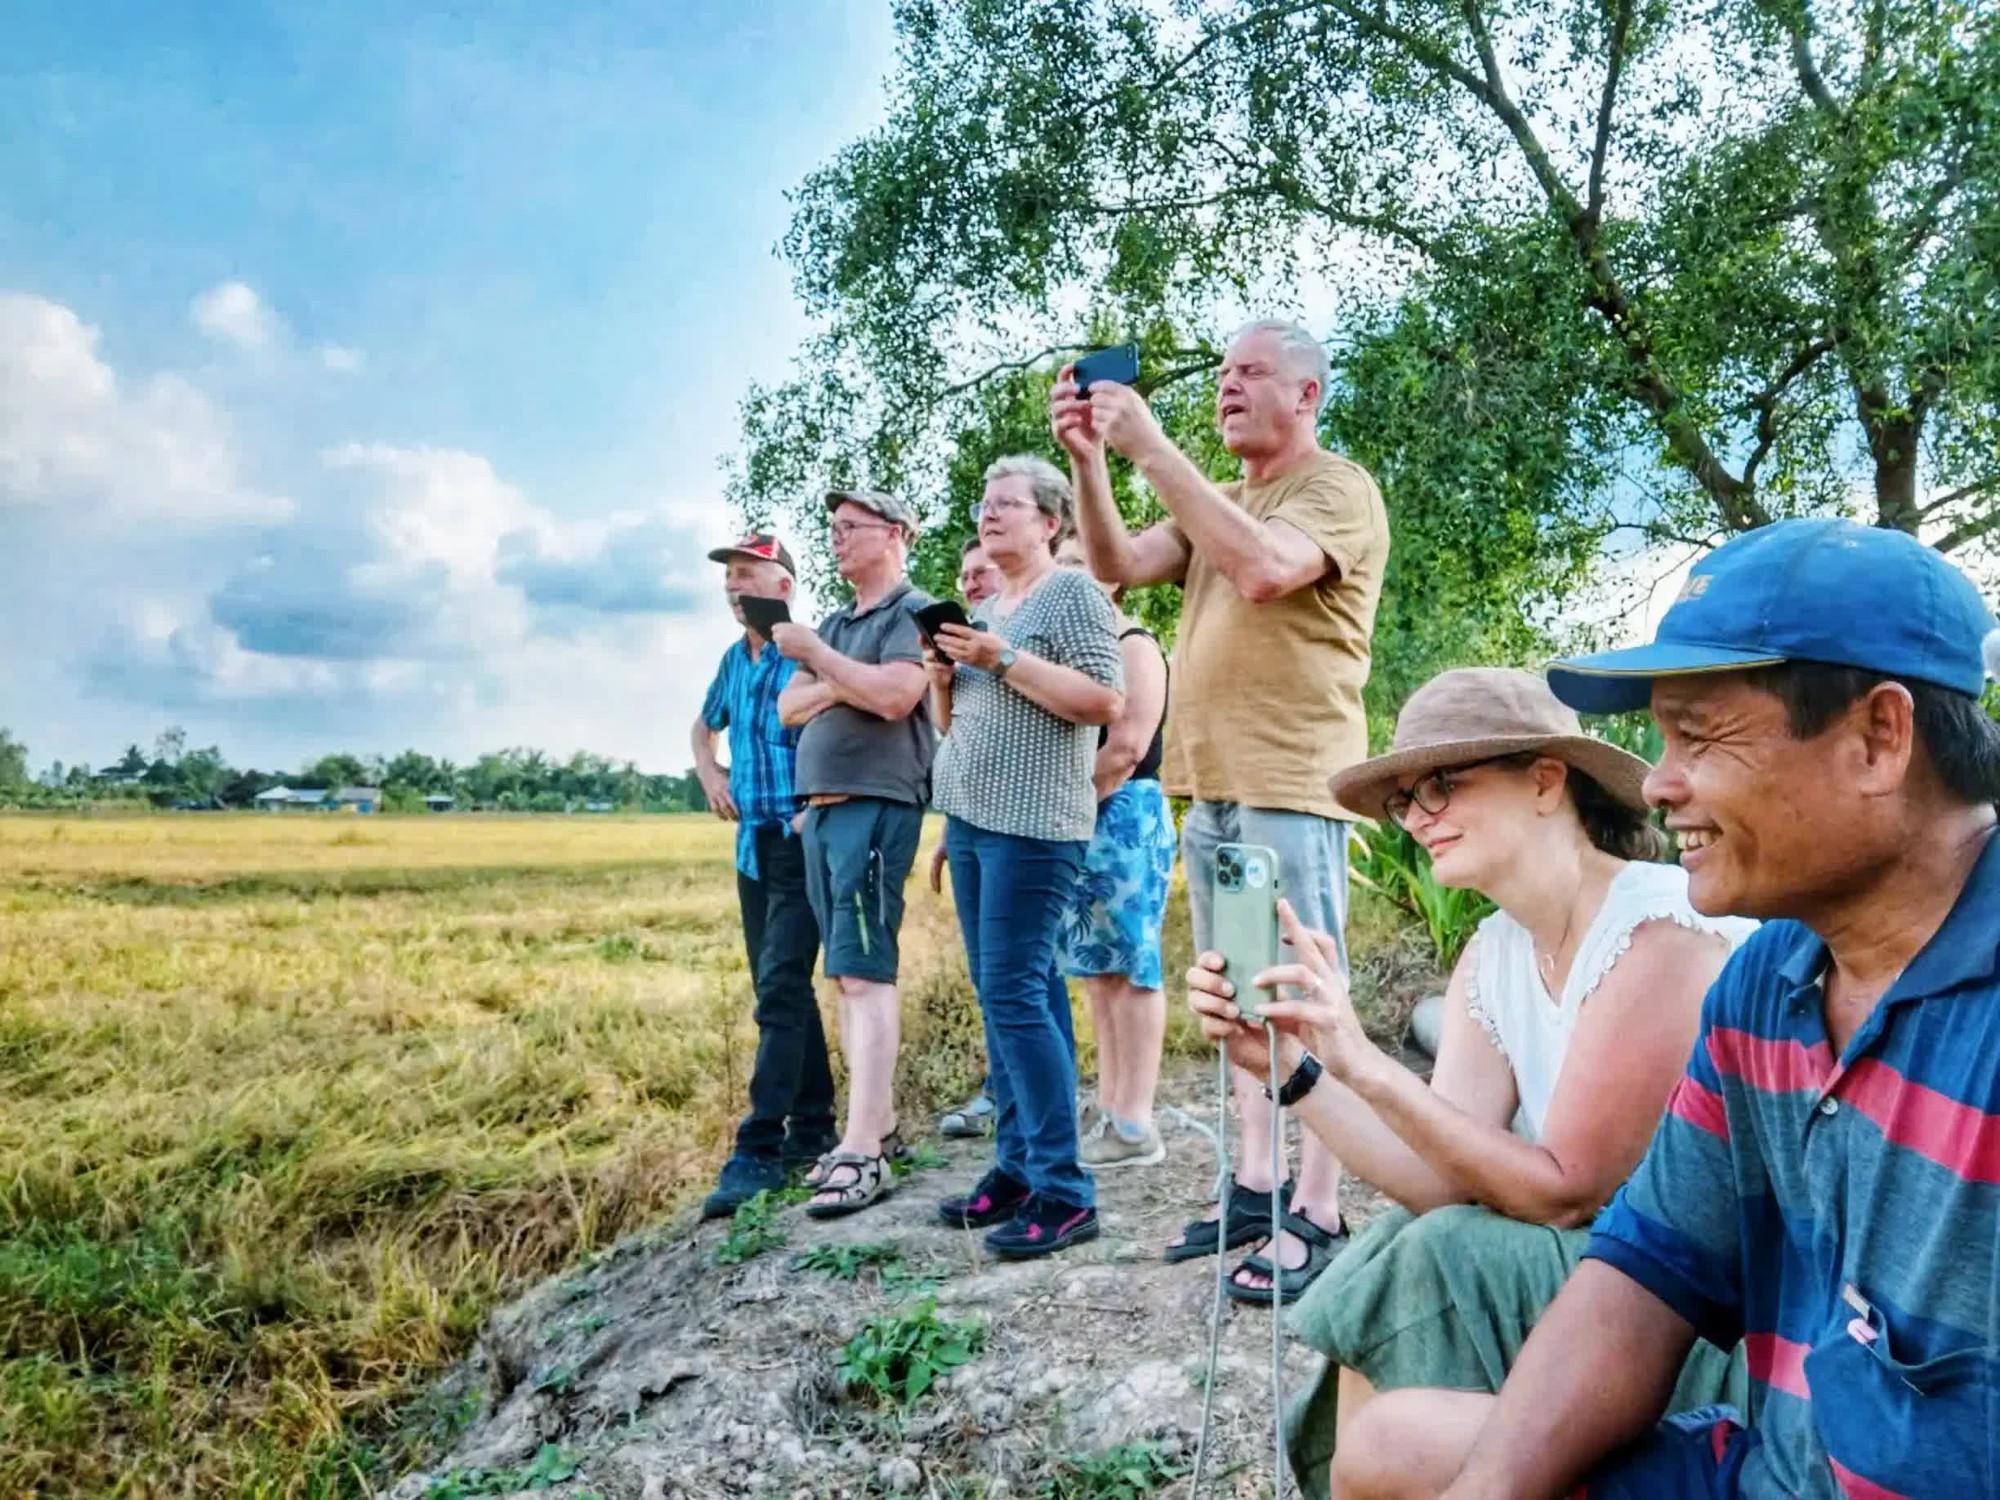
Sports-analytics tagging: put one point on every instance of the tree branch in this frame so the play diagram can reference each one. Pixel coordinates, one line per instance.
(1963, 492)
(1765, 403)
(1808, 71)
(1621, 22)
(1971, 531)
(1008, 366)
(1187, 59)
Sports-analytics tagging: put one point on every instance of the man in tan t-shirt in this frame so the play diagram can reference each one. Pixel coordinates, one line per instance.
(1281, 572)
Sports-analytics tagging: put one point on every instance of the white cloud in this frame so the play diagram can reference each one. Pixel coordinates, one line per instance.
(340, 361)
(73, 435)
(233, 313)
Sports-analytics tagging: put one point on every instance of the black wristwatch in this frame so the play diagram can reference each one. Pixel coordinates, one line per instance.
(1295, 1088)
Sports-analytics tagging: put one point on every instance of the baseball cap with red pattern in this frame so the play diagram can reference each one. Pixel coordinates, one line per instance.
(759, 546)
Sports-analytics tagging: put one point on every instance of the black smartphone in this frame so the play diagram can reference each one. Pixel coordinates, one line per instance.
(935, 616)
(1118, 364)
(762, 615)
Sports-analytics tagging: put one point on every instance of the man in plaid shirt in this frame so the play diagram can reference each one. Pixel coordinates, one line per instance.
(790, 1121)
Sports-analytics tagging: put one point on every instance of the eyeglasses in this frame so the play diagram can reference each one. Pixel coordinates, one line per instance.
(840, 531)
(1433, 792)
(1001, 506)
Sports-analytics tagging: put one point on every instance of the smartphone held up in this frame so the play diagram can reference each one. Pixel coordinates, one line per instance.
(1244, 926)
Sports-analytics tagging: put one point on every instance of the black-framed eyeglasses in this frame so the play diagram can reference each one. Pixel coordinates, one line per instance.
(840, 531)
(1433, 792)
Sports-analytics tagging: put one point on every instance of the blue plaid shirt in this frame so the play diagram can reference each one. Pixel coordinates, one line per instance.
(743, 700)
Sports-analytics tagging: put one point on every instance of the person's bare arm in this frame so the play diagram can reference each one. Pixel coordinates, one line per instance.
(804, 699)
(1596, 1373)
(1159, 554)
(1131, 733)
(889, 690)
(1631, 1040)
(709, 771)
(939, 674)
(1063, 691)
(1263, 560)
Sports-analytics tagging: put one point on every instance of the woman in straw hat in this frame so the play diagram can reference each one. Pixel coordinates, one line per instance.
(1567, 1020)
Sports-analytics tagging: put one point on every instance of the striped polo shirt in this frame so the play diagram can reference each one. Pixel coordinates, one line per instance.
(1841, 1215)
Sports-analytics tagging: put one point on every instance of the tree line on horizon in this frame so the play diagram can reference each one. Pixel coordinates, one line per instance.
(512, 780)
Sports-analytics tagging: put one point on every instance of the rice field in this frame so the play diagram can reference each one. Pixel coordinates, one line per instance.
(287, 1102)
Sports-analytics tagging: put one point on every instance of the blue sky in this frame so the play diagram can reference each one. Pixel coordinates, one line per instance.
(365, 369)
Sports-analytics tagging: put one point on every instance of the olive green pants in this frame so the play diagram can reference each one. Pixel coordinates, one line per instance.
(1445, 1299)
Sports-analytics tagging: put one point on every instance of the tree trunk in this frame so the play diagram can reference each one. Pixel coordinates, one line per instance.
(1893, 444)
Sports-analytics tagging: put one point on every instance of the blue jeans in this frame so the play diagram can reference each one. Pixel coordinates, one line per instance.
(1010, 893)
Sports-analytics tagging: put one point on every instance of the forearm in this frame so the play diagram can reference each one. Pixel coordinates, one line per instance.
(1064, 691)
(1113, 767)
(883, 690)
(1107, 545)
(702, 742)
(1365, 1145)
(1237, 544)
(1596, 1373)
(941, 708)
(803, 701)
(1472, 1160)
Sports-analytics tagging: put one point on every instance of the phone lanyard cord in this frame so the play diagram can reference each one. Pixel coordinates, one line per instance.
(1224, 1183)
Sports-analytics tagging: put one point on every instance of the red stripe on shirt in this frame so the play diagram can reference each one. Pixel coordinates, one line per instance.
(1855, 1487)
(1779, 1363)
(1773, 1066)
(1700, 1107)
(1958, 1137)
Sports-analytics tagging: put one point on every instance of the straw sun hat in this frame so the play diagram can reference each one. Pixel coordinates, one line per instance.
(1480, 713)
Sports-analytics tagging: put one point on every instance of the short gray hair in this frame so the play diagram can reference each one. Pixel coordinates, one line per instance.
(1304, 353)
(1049, 485)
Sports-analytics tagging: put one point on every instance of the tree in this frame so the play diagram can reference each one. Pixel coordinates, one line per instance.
(170, 745)
(1596, 264)
(13, 761)
(335, 771)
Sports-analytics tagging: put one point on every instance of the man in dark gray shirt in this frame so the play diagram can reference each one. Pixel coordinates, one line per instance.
(864, 764)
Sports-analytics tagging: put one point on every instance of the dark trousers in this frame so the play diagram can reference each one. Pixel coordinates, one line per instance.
(792, 1080)
(1010, 894)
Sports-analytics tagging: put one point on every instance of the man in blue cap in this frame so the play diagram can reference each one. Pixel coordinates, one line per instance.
(1825, 1187)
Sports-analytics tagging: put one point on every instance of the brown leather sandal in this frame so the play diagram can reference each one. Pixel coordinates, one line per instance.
(852, 1182)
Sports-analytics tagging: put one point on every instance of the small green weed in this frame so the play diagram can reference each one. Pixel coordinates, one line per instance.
(910, 1281)
(751, 1231)
(899, 1356)
(845, 1262)
(922, 1157)
(1127, 1473)
(550, 1465)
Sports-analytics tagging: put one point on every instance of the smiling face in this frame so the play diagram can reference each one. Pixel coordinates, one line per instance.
(1261, 401)
(1769, 825)
(1012, 527)
(1489, 813)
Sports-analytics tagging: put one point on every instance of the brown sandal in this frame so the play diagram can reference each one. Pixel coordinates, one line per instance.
(854, 1182)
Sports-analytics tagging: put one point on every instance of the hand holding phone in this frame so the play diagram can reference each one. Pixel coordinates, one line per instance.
(934, 616)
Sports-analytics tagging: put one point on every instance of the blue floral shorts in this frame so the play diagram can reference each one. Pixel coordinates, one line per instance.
(1113, 922)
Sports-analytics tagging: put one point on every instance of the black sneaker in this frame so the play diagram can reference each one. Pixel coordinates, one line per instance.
(995, 1200)
(1042, 1227)
(741, 1179)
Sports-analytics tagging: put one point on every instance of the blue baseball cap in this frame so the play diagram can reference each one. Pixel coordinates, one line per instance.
(1821, 590)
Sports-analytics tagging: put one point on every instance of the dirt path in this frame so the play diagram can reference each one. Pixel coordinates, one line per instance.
(658, 1373)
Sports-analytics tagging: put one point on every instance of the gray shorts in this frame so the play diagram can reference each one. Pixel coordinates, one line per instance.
(1312, 862)
(858, 855)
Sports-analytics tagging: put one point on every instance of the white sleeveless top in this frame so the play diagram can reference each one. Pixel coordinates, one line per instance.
(1531, 1028)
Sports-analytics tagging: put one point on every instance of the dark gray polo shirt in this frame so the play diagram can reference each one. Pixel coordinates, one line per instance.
(848, 752)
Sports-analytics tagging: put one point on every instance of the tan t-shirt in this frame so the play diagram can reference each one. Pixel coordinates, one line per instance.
(1266, 703)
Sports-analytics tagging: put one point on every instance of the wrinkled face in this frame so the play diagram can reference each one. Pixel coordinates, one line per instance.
(1769, 825)
(1472, 820)
(978, 579)
(1012, 527)
(1261, 402)
(862, 540)
(757, 578)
